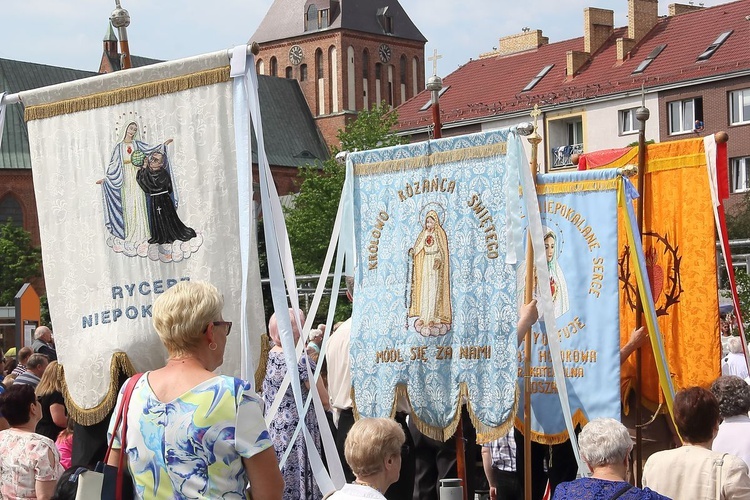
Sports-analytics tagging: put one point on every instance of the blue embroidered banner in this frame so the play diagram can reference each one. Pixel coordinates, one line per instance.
(435, 308)
(579, 219)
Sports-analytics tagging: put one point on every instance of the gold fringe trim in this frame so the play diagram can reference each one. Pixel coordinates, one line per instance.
(435, 158)
(260, 373)
(675, 162)
(118, 364)
(128, 94)
(485, 433)
(549, 439)
(577, 186)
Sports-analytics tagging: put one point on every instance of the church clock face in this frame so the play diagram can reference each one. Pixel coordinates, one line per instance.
(296, 55)
(384, 51)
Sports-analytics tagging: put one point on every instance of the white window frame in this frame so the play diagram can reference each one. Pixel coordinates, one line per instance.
(742, 95)
(682, 104)
(740, 174)
(626, 117)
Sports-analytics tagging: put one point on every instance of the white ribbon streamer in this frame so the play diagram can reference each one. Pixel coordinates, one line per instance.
(281, 269)
(244, 193)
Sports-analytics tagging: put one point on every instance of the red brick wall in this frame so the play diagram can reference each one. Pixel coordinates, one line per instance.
(328, 121)
(715, 118)
(18, 184)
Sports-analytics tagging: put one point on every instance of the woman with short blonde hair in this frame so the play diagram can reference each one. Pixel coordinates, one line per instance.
(373, 451)
(181, 315)
(191, 433)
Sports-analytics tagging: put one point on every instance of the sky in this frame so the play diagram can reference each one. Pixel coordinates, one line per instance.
(69, 33)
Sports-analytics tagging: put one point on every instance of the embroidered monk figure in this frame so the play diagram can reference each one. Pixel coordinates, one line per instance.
(430, 284)
(155, 180)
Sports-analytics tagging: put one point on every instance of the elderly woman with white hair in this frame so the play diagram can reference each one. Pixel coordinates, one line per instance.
(735, 363)
(733, 437)
(605, 446)
(373, 451)
(192, 433)
(299, 483)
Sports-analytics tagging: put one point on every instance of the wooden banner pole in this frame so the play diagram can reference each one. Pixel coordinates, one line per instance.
(642, 114)
(534, 139)
(434, 85)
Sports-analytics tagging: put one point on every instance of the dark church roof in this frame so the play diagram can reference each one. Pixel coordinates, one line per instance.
(292, 138)
(285, 19)
(291, 135)
(16, 76)
(136, 61)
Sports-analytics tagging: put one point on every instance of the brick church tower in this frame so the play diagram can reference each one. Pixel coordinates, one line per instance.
(347, 55)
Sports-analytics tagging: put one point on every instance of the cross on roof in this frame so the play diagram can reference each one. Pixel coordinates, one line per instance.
(535, 113)
(434, 60)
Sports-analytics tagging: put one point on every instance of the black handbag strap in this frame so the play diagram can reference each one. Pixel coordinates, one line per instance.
(621, 492)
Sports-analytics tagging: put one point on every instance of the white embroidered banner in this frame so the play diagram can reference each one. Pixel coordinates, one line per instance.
(135, 181)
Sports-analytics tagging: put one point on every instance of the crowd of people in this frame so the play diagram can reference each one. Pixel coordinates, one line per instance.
(194, 434)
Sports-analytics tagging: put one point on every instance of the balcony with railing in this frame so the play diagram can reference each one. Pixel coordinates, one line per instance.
(561, 155)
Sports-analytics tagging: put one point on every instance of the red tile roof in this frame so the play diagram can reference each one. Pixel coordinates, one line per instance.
(491, 87)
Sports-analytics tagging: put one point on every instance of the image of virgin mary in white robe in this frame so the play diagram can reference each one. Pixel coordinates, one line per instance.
(430, 284)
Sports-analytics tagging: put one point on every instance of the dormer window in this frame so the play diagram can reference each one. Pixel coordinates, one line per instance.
(311, 21)
(537, 78)
(385, 20)
(316, 19)
(714, 46)
(649, 59)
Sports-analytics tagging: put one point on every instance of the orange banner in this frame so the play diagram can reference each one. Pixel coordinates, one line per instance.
(679, 245)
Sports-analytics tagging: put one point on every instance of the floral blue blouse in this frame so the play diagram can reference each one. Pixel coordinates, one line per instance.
(192, 447)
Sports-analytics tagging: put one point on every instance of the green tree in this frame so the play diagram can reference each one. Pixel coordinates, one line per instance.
(738, 223)
(310, 221)
(19, 261)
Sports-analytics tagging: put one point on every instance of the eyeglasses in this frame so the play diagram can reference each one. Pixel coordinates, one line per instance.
(228, 324)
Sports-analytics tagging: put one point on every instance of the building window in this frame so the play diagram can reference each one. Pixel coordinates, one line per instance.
(303, 72)
(739, 102)
(311, 23)
(365, 64)
(260, 67)
(10, 210)
(575, 132)
(274, 66)
(289, 73)
(566, 139)
(319, 63)
(683, 115)
(322, 18)
(628, 121)
(740, 174)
